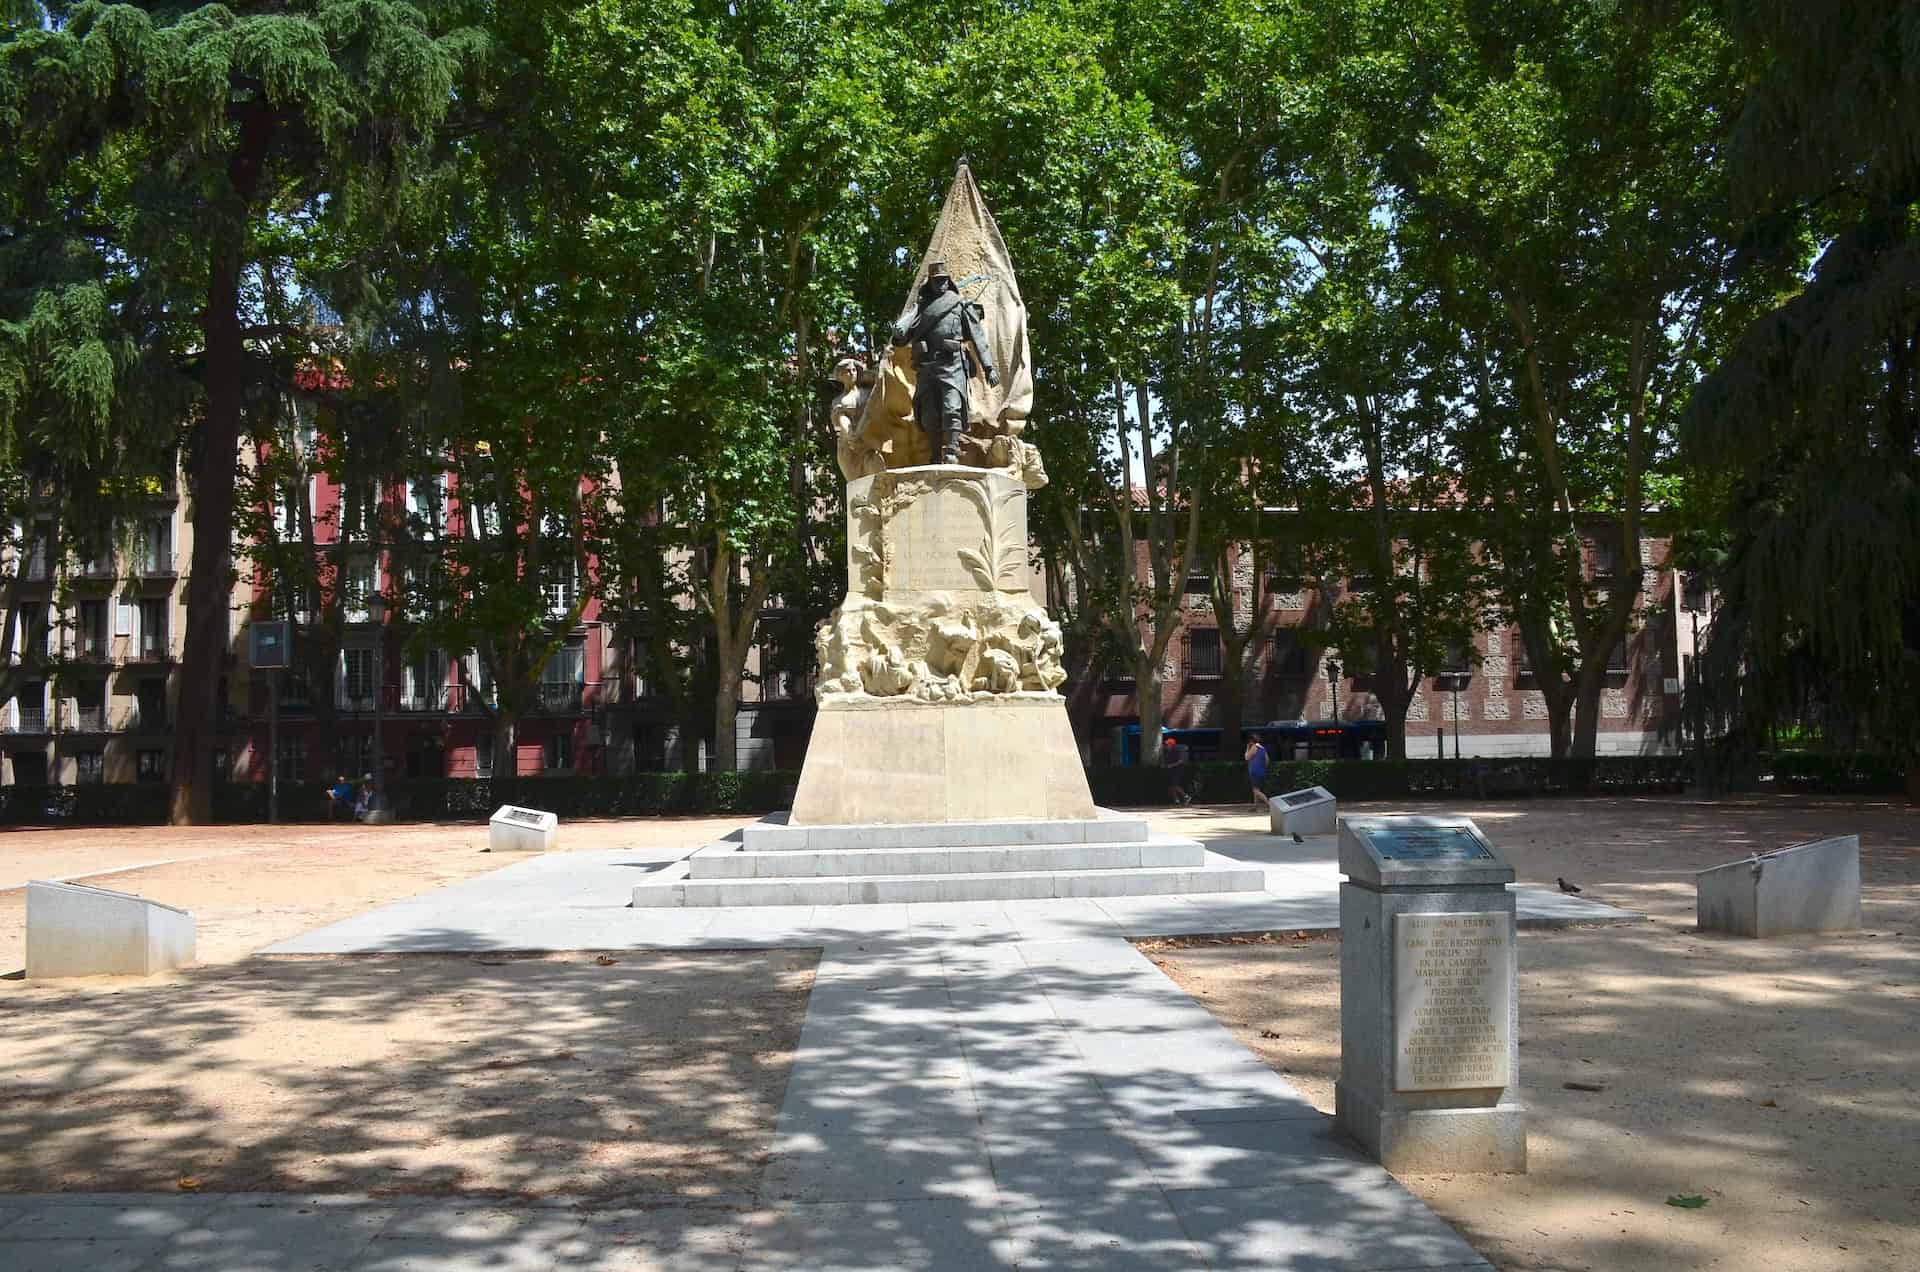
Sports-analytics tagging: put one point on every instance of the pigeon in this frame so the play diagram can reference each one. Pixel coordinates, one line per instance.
(1298, 840)
(1569, 888)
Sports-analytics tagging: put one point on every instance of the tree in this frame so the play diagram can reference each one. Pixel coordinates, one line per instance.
(178, 141)
(1561, 191)
(1804, 438)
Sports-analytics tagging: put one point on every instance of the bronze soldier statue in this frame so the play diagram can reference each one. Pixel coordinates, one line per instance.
(948, 340)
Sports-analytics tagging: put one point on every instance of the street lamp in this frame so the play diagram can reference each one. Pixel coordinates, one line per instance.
(1456, 681)
(1333, 685)
(377, 614)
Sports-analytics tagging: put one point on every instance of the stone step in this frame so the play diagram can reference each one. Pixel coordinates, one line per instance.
(1006, 885)
(731, 861)
(775, 836)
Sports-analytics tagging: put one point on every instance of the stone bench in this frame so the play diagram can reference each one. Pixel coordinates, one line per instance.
(74, 930)
(1812, 887)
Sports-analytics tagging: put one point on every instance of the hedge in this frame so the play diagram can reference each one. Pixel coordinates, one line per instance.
(761, 791)
(1839, 773)
(1404, 779)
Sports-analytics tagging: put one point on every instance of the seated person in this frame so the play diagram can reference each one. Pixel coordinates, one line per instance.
(365, 801)
(339, 797)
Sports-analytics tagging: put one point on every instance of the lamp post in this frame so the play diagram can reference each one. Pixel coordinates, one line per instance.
(1333, 685)
(377, 613)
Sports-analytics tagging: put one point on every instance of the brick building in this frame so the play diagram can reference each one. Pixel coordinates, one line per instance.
(1490, 700)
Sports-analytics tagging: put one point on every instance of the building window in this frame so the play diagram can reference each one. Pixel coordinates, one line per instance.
(426, 682)
(148, 766)
(153, 629)
(1290, 657)
(560, 751)
(356, 679)
(1617, 658)
(91, 636)
(356, 753)
(358, 581)
(150, 704)
(293, 759)
(1203, 651)
(30, 707)
(427, 506)
(90, 705)
(1199, 583)
(40, 550)
(1459, 659)
(562, 587)
(1605, 556)
(483, 756)
(153, 551)
(89, 768)
(564, 677)
(1693, 593)
(1360, 585)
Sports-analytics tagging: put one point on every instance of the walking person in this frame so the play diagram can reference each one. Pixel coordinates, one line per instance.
(1173, 758)
(1257, 769)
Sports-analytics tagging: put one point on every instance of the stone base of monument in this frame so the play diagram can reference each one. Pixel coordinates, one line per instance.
(1813, 887)
(74, 930)
(1313, 811)
(779, 863)
(1483, 1141)
(897, 761)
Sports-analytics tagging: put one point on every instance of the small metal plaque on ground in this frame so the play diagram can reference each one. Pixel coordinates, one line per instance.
(1452, 1015)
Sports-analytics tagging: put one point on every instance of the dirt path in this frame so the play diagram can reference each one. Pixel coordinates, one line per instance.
(1779, 1079)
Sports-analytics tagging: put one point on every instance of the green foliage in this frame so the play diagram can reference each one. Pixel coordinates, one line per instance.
(1804, 438)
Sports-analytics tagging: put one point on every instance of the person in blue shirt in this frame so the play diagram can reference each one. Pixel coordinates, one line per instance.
(1257, 769)
(340, 797)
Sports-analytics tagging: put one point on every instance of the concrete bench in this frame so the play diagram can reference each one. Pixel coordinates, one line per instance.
(74, 930)
(1813, 887)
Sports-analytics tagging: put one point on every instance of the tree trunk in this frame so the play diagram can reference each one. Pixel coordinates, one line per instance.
(1396, 714)
(506, 764)
(209, 592)
(726, 715)
(204, 656)
(1146, 680)
(1230, 704)
(1586, 709)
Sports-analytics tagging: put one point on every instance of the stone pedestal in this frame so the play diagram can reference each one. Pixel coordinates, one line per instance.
(1429, 1001)
(74, 930)
(1313, 811)
(513, 829)
(939, 673)
(1812, 887)
(893, 760)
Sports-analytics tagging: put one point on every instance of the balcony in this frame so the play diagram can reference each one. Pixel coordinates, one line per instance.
(432, 699)
(86, 720)
(25, 720)
(559, 697)
(149, 651)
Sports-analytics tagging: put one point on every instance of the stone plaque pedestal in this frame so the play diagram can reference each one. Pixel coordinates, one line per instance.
(1429, 1005)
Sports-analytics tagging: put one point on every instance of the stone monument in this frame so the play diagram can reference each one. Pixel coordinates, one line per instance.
(939, 673)
(1429, 1004)
(942, 766)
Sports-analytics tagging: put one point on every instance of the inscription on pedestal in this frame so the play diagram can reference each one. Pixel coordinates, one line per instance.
(1452, 977)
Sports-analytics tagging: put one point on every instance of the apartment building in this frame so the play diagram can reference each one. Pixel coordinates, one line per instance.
(360, 669)
(95, 649)
(1485, 702)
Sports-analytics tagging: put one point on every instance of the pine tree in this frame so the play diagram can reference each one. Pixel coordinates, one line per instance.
(186, 151)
